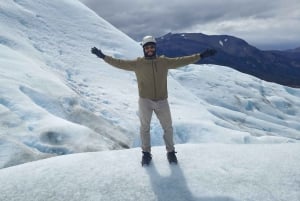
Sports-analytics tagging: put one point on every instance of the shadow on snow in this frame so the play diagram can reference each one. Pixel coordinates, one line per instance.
(174, 187)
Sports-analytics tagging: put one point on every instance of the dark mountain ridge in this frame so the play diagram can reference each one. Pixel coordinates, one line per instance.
(282, 67)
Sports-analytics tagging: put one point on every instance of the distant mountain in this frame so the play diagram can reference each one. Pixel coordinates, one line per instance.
(296, 50)
(282, 67)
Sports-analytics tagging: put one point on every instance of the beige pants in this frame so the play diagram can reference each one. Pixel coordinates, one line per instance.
(162, 111)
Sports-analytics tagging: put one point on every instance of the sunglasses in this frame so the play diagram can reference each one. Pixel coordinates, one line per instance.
(148, 47)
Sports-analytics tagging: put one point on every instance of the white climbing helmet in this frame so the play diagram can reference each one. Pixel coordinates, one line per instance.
(148, 39)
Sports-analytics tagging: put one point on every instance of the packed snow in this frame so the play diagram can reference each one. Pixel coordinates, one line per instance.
(206, 172)
(237, 136)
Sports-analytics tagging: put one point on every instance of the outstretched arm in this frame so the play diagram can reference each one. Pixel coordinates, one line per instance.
(183, 61)
(118, 63)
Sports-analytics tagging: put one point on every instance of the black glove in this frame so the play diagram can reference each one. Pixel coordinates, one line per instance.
(208, 53)
(97, 52)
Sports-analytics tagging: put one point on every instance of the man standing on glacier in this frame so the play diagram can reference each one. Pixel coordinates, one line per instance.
(151, 73)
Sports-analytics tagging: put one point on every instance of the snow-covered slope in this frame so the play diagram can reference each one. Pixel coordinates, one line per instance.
(265, 112)
(57, 98)
(206, 172)
(45, 69)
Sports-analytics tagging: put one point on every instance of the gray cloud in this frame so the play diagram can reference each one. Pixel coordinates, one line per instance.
(263, 23)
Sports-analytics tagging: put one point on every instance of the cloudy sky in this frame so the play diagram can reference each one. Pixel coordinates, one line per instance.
(266, 24)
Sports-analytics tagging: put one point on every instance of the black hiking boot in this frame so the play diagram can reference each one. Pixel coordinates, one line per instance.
(172, 157)
(146, 159)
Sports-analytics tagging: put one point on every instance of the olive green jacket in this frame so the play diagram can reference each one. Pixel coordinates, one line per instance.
(152, 74)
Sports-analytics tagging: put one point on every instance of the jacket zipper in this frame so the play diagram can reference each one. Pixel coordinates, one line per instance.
(154, 79)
